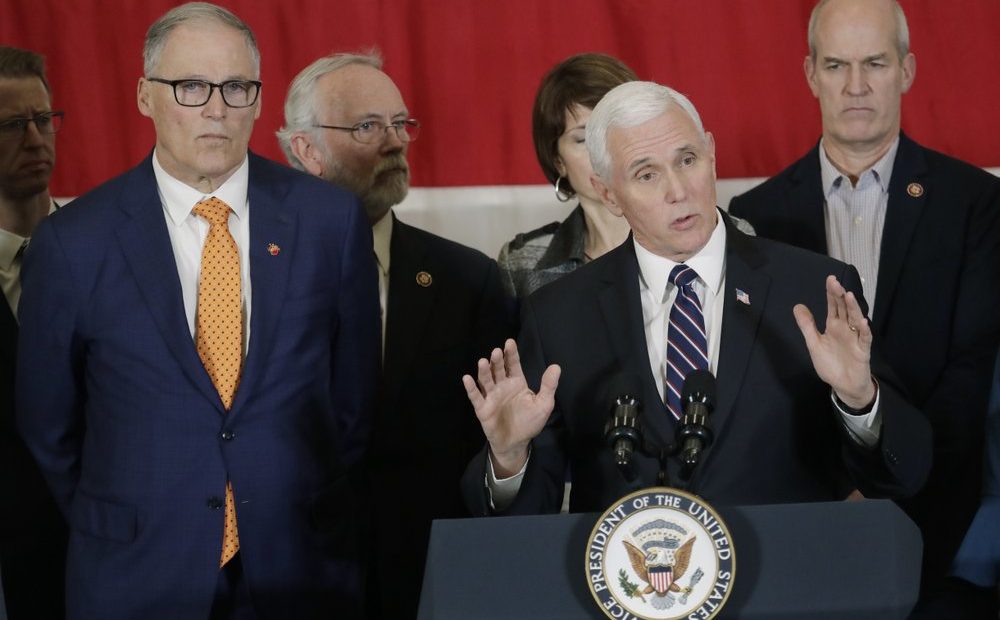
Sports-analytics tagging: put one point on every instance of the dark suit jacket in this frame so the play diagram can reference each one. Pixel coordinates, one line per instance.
(426, 430)
(132, 436)
(935, 314)
(978, 559)
(32, 530)
(778, 438)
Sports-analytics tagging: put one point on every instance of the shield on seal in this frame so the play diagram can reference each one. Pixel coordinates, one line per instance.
(660, 577)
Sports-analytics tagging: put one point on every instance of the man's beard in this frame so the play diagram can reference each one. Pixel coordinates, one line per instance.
(385, 187)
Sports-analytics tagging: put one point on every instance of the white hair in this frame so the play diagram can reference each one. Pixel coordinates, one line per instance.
(902, 30)
(156, 36)
(629, 105)
(301, 106)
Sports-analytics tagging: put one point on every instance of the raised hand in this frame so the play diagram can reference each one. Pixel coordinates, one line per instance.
(841, 354)
(510, 413)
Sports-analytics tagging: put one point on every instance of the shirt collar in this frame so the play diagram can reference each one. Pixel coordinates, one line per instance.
(881, 170)
(381, 239)
(708, 262)
(10, 245)
(180, 198)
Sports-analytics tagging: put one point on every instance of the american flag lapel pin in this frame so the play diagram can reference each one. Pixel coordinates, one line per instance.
(742, 297)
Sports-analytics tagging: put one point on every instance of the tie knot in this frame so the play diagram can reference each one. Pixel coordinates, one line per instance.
(213, 210)
(682, 275)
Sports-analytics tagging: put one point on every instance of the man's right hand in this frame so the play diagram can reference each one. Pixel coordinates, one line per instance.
(510, 413)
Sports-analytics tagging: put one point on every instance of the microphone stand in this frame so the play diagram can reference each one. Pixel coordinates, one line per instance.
(663, 476)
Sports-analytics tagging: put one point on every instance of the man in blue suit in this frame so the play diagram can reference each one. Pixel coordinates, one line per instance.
(170, 454)
(977, 562)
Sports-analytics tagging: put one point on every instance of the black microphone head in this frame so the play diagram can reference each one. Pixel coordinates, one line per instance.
(622, 388)
(699, 386)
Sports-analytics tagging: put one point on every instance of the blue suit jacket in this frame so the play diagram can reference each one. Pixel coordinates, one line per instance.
(978, 559)
(132, 436)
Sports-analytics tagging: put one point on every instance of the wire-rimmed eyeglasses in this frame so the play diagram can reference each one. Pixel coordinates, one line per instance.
(196, 93)
(367, 132)
(45, 123)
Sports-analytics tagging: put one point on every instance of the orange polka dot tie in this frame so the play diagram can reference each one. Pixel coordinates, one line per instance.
(219, 329)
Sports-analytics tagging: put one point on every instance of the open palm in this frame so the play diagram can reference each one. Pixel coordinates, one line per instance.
(510, 413)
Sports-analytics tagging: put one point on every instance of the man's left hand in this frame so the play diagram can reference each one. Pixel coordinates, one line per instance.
(841, 354)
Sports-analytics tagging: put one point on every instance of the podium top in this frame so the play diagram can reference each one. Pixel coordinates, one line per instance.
(819, 560)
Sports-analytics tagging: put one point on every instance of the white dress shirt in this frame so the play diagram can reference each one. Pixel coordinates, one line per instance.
(188, 233)
(12, 248)
(657, 296)
(382, 240)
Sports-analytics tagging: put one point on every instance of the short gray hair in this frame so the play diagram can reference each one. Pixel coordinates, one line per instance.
(629, 105)
(301, 106)
(902, 30)
(156, 36)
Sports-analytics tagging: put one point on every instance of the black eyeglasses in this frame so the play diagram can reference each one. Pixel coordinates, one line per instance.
(367, 132)
(196, 93)
(45, 122)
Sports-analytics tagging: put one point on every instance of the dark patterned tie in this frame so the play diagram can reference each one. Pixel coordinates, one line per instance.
(687, 342)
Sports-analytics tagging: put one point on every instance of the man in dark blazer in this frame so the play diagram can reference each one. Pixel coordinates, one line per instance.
(443, 308)
(924, 230)
(977, 563)
(146, 452)
(780, 437)
(32, 530)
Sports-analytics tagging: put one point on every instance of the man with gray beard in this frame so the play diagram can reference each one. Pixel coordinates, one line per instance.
(442, 308)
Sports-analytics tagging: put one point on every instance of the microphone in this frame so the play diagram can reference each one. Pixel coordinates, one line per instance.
(694, 433)
(623, 430)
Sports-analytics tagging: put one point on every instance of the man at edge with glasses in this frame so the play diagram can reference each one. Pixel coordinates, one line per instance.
(198, 356)
(442, 308)
(32, 530)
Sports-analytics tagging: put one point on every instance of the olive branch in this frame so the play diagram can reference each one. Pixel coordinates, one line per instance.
(631, 589)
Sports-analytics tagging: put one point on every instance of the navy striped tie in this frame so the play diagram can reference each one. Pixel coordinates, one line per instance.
(687, 344)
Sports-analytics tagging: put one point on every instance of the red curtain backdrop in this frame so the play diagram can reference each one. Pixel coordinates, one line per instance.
(468, 70)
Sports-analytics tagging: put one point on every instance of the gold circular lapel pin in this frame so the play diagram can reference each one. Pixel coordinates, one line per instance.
(915, 189)
(424, 279)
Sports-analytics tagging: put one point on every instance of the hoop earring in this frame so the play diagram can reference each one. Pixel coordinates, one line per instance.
(560, 196)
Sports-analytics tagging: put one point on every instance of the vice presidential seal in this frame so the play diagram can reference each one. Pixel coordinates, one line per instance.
(660, 554)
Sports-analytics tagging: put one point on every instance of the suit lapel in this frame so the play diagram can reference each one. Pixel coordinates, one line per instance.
(621, 308)
(901, 218)
(740, 321)
(409, 303)
(271, 225)
(805, 219)
(145, 243)
(8, 335)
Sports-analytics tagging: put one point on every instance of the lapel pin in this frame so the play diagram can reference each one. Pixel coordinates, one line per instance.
(915, 189)
(424, 279)
(273, 249)
(742, 297)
